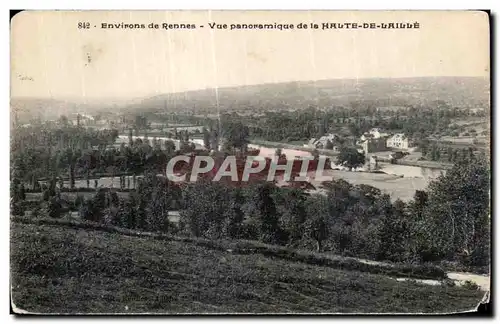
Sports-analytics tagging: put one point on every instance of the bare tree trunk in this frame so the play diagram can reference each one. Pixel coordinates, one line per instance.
(87, 176)
(318, 246)
(72, 175)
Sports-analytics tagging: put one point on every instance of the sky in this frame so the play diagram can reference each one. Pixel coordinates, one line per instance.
(51, 57)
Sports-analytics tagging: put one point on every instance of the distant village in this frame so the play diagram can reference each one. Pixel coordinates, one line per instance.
(374, 140)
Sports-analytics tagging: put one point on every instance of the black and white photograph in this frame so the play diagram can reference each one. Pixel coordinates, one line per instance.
(192, 162)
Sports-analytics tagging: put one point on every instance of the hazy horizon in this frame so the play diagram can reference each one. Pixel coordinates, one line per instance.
(97, 99)
(52, 58)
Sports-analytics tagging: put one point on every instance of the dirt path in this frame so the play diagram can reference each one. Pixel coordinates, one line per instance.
(483, 281)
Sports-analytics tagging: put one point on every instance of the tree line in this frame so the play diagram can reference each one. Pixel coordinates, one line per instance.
(449, 221)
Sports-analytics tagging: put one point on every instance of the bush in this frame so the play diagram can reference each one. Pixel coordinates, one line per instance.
(449, 282)
(36, 211)
(18, 209)
(88, 212)
(470, 285)
(53, 208)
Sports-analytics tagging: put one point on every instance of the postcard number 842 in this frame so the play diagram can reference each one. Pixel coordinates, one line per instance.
(83, 25)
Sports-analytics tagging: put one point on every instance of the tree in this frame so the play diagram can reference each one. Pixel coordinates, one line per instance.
(262, 214)
(206, 138)
(417, 206)
(130, 138)
(394, 233)
(449, 154)
(291, 204)
(321, 129)
(63, 120)
(214, 139)
(53, 208)
(458, 211)
(126, 210)
(315, 154)
(169, 148)
(329, 145)
(355, 131)
(141, 122)
(205, 208)
(424, 146)
(157, 210)
(350, 157)
(234, 215)
(22, 192)
(16, 197)
(316, 225)
(236, 135)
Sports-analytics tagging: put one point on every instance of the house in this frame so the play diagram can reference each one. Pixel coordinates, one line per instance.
(374, 133)
(399, 141)
(373, 145)
(375, 140)
(326, 142)
(311, 143)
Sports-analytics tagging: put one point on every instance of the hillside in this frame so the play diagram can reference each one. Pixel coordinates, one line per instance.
(50, 108)
(63, 270)
(457, 91)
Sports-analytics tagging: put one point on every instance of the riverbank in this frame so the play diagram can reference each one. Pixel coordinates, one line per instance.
(276, 145)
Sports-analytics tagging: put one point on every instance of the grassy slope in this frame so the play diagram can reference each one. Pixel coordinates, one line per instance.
(56, 269)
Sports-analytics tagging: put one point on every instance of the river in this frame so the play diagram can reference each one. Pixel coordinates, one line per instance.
(399, 181)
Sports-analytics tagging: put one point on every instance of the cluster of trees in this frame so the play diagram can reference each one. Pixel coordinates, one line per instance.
(73, 152)
(445, 153)
(301, 125)
(450, 221)
(145, 208)
(40, 151)
(17, 196)
(350, 157)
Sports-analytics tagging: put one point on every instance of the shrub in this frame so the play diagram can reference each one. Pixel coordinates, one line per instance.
(449, 282)
(53, 208)
(470, 285)
(36, 211)
(17, 209)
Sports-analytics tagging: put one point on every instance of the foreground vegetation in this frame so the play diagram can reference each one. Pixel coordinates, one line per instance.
(60, 269)
(426, 271)
(250, 248)
(448, 222)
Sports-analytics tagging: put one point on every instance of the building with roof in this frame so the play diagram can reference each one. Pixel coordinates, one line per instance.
(326, 142)
(399, 140)
(375, 140)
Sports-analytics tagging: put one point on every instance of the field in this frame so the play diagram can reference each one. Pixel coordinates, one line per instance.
(396, 186)
(60, 270)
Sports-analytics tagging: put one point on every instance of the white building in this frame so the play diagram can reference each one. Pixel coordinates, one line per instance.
(399, 141)
(373, 133)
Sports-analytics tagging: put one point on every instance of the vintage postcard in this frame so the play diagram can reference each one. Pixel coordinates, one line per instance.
(250, 162)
